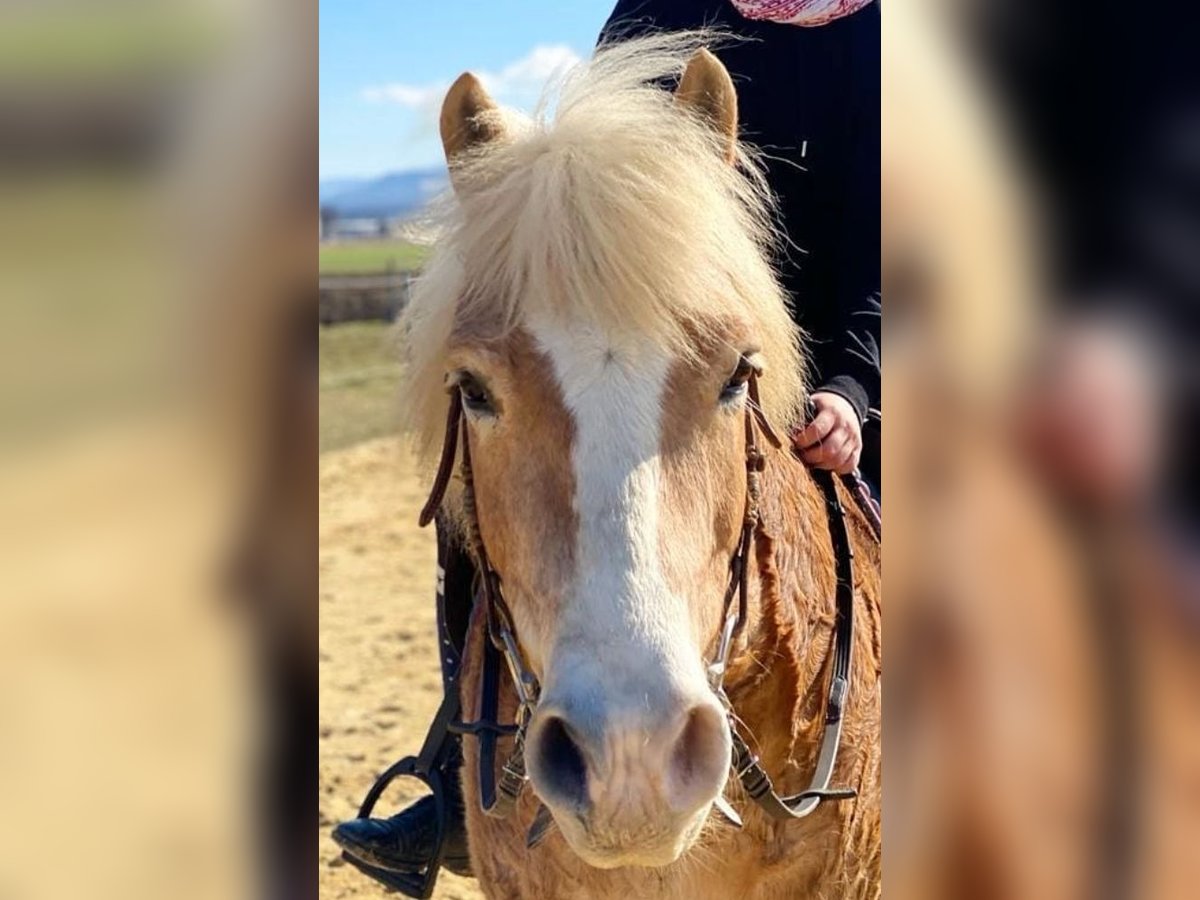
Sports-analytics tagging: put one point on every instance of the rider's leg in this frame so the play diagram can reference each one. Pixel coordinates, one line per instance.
(405, 842)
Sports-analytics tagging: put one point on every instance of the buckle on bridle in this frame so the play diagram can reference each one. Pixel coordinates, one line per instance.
(718, 667)
(524, 681)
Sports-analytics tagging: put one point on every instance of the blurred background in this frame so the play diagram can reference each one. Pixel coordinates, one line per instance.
(157, 439)
(1041, 230)
(164, 401)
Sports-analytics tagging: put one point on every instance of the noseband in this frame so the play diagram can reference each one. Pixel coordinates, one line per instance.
(498, 799)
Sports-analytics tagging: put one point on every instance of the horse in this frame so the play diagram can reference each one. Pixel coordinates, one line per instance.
(600, 330)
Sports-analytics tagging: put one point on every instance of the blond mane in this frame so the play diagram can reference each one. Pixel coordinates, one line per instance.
(613, 206)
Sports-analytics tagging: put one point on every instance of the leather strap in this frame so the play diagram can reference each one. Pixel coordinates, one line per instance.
(753, 777)
(446, 464)
(764, 424)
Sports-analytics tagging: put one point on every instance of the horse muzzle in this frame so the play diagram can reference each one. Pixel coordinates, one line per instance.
(629, 784)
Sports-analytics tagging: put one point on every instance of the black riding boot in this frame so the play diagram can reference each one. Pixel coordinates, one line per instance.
(405, 842)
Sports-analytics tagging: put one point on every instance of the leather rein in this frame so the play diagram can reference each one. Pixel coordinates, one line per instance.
(499, 798)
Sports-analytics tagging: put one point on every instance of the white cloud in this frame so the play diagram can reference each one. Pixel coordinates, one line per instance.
(533, 70)
(518, 84)
(403, 94)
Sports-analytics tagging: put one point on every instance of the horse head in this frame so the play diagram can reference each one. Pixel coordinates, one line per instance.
(600, 304)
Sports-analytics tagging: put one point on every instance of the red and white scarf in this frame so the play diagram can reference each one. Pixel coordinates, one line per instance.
(798, 12)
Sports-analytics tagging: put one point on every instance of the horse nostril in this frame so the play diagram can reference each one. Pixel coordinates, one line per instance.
(560, 761)
(701, 753)
(686, 747)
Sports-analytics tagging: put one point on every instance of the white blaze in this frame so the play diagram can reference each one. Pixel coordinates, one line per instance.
(620, 625)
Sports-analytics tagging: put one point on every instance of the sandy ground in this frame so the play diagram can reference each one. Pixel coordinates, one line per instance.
(379, 677)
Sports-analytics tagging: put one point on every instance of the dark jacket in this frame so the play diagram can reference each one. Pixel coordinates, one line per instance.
(809, 97)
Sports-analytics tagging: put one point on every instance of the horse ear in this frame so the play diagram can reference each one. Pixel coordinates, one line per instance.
(470, 117)
(707, 88)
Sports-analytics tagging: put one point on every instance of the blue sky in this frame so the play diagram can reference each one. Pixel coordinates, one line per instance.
(384, 68)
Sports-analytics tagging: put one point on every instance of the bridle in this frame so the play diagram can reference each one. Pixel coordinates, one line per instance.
(746, 764)
(502, 632)
(497, 802)
(498, 798)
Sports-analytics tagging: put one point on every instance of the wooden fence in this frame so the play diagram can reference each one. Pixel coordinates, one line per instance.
(363, 298)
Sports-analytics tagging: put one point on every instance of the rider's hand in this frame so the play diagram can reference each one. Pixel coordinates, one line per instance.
(833, 439)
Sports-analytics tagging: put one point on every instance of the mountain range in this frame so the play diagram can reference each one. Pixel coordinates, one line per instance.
(395, 195)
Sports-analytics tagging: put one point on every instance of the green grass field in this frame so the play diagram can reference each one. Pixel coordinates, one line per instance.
(362, 257)
(359, 378)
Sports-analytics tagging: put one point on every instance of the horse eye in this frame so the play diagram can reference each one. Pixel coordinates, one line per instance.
(736, 385)
(474, 395)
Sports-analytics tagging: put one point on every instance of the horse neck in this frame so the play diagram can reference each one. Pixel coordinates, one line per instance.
(778, 682)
